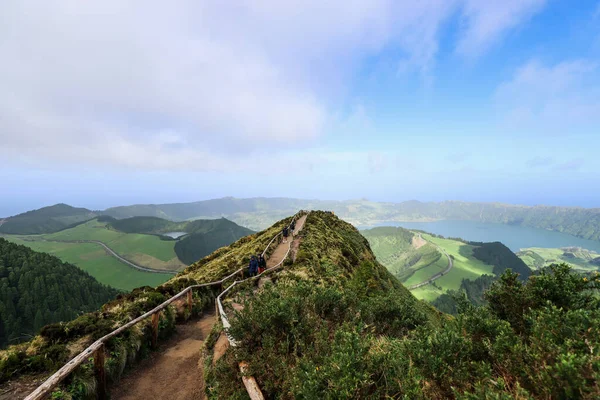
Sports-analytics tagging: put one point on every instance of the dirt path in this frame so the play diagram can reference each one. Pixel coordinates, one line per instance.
(283, 247)
(418, 241)
(175, 371)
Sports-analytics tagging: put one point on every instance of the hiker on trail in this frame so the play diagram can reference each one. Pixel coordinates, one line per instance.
(253, 266)
(285, 234)
(262, 264)
(293, 227)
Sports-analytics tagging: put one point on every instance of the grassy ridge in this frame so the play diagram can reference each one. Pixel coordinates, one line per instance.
(336, 325)
(45, 220)
(395, 248)
(405, 254)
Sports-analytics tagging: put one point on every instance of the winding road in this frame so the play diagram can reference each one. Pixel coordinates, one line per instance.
(114, 254)
(439, 274)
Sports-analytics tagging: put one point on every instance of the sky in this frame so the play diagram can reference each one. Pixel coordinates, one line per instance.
(113, 102)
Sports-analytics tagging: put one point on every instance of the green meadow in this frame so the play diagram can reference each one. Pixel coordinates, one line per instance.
(578, 258)
(93, 259)
(145, 250)
(465, 265)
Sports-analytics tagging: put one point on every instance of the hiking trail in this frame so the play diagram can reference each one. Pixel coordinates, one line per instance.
(177, 368)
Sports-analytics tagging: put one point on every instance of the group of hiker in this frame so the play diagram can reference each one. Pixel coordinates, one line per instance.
(287, 230)
(258, 264)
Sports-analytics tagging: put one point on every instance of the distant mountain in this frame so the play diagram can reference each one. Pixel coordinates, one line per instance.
(37, 289)
(45, 220)
(258, 213)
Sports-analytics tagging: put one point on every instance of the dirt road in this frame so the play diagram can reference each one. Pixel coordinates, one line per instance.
(439, 274)
(175, 372)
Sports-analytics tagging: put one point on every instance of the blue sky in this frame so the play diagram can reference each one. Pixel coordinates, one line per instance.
(115, 103)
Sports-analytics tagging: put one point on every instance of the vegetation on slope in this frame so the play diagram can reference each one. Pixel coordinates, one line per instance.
(57, 343)
(415, 257)
(37, 289)
(206, 236)
(93, 259)
(578, 258)
(405, 254)
(310, 339)
(45, 220)
(313, 331)
(501, 257)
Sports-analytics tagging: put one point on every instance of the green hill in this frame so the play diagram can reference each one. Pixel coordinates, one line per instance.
(45, 220)
(336, 324)
(207, 236)
(578, 258)
(415, 257)
(153, 225)
(37, 289)
(137, 240)
(259, 213)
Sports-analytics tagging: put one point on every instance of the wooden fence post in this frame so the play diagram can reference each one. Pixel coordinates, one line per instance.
(190, 301)
(100, 373)
(155, 319)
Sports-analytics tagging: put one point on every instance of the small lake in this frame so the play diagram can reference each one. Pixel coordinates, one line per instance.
(174, 235)
(515, 237)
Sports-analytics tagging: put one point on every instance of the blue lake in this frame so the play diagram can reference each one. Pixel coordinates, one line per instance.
(515, 237)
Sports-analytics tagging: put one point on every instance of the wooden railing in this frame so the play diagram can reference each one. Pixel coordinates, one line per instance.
(97, 351)
(249, 382)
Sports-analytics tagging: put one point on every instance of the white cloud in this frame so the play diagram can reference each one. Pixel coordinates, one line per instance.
(487, 21)
(561, 98)
(153, 84)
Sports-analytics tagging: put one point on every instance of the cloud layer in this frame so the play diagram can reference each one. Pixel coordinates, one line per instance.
(205, 85)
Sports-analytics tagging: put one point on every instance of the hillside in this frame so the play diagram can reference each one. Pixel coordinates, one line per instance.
(578, 258)
(328, 330)
(203, 235)
(335, 324)
(416, 257)
(45, 220)
(37, 289)
(139, 242)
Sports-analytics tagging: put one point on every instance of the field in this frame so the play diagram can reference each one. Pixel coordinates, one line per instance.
(415, 257)
(93, 259)
(578, 258)
(465, 265)
(145, 250)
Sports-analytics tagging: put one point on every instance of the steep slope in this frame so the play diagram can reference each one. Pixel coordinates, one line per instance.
(37, 289)
(416, 257)
(333, 297)
(45, 220)
(206, 236)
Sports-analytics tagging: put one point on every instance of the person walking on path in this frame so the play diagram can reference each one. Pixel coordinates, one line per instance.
(293, 227)
(262, 264)
(285, 234)
(253, 266)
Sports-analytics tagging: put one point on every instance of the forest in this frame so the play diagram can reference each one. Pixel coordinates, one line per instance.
(37, 289)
